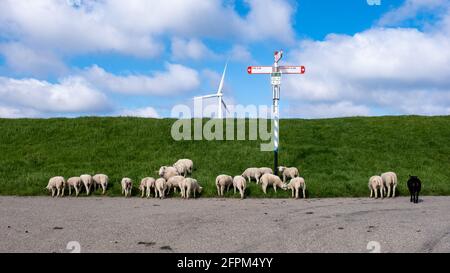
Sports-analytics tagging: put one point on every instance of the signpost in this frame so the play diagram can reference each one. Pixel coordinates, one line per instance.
(275, 72)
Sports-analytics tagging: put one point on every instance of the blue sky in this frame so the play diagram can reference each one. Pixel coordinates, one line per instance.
(75, 57)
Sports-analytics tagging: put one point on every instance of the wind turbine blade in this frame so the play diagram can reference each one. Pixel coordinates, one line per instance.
(219, 91)
(206, 97)
(224, 105)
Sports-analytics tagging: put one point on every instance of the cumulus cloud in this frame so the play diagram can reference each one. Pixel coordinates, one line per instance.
(175, 80)
(31, 97)
(146, 112)
(240, 53)
(190, 49)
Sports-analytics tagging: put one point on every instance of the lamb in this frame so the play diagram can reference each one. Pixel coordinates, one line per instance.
(285, 172)
(264, 170)
(375, 183)
(189, 185)
(160, 187)
(271, 179)
(239, 182)
(295, 185)
(250, 173)
(167, 172)
(184, 166)
(223, 181)
(101, 180)
(76, 183)
(414, 187)
(389, 181)
(87, 182)
(127, 186)
(146, 185)
(57, 183)
(174, 182)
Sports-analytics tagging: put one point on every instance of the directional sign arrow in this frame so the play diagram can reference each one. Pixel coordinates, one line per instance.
(292, 69)
(259, 70)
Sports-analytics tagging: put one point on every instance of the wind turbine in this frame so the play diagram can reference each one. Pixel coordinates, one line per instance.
(218, 95)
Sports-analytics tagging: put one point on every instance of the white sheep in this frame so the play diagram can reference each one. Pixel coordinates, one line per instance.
(223, 181)
(174, 182)
(146, 185)
(252, 173)
(272, 180)
(102, 181)
(167, 172)
(127, 186)
(57, 183)
(375, 183)
(295, 185)
(184, 166)
(264, 170)
(288, 173)
(76, 183)
(240, 183)
(160, 187)
(88, 181)
(389, 181)
(189, 185)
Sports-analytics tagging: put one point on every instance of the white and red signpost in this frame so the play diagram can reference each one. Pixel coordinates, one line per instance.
(276, 71)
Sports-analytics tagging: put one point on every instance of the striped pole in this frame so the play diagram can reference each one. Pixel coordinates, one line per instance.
(276, 129)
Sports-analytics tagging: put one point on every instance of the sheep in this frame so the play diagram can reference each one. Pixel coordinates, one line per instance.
(414, 187)
(76, 183)
(240, 183)
(223, 181)
(160, 187)
(271, 179)
(101, 180)
(295, 185)
(250, 173)
(127, 186)
(264, 170)
(174, 182)
(189, 185)
(146, 185)
(57, 183)
(167, 172)
(285, 172)
(184, 166)
(389, 181)
(87, 182)
(375, 183)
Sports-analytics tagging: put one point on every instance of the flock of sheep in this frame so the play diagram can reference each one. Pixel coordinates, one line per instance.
(175, 177)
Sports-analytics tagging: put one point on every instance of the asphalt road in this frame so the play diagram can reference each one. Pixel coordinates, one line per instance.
(45, 224)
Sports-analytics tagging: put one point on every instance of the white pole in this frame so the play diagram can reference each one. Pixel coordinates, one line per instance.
(219, 114)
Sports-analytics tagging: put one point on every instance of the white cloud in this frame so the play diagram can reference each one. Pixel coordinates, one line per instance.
(190, 49)
(240, 53)
(175, 80)
(146, 112)
(31, 97)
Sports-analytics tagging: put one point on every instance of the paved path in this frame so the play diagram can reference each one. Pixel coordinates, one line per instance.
(44, 224)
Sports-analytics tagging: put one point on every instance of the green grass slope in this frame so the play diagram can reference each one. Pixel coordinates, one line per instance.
(336, 156)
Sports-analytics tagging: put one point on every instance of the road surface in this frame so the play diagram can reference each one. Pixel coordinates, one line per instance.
(105, 224)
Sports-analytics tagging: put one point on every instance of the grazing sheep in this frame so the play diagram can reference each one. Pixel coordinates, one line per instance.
(146, 185)
(272, 180)
(184, 166)
(76, 183)
(240, 183)
(414, 187)
(250, 173)
(88, 181)
(160, 187)
(295, 185)
(167, 172)
(288, 173)
(174, 182)
(389, 181)
(375, 183)
(223, 181)
(265, 170)
(189, 185)
(127, 186)
(101, 180)
(57, 183)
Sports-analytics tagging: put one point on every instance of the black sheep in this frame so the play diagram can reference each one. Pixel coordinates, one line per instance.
(414, 186)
